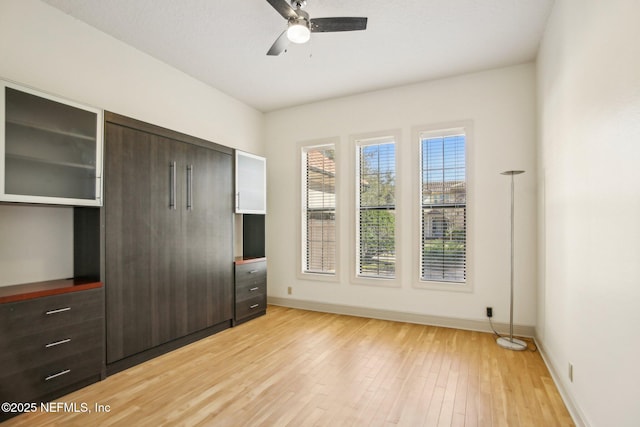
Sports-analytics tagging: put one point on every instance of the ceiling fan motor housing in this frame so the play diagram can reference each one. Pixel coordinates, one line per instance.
(302, 19)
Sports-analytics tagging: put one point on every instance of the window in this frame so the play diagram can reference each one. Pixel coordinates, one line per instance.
(443, 206)
(319, 209)
(376, 208)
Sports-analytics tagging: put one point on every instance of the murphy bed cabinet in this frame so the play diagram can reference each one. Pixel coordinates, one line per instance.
(168, 221)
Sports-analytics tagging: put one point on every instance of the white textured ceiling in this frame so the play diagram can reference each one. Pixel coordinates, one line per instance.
(224, 43)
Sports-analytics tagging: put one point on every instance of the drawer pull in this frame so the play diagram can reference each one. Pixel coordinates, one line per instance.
(254, 289)
(50, 377)
(60, 310)
(254, 306)
(253, 271)
(53, 344)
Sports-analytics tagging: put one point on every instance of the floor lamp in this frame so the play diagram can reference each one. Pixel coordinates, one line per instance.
(511, 343)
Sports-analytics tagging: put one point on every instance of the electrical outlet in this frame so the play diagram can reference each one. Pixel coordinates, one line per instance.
(570, 372)
(289, 290)
(489, 311)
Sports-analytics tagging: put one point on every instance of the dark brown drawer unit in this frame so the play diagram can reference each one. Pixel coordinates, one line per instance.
(51, 345)
(251, 289)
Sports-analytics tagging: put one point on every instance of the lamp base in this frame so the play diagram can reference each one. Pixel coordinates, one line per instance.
(512, 343)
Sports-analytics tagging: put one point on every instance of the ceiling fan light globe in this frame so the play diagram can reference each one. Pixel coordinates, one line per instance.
(298, 33)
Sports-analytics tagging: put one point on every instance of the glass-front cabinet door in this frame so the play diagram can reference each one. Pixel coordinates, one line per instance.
(251, 183)
(50, 149)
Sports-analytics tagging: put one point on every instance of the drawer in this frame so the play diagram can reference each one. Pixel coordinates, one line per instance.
(251, 306)
(31, 383)
(249, 290)
(251, 273)
(40, 348)
(31, 316)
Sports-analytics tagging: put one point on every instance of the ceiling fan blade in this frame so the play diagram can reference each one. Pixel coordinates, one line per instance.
(280, 45)
(283, 8)
(326, 25)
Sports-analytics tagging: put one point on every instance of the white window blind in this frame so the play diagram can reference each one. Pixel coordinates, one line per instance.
(319, 210)
(444, 207)
(376, 181)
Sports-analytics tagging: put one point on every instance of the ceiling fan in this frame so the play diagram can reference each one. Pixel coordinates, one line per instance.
(300, 27)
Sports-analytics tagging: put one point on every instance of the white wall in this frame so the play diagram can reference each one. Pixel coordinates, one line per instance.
(500, 104)
(36, 243)
(589, 176)
(43, 48)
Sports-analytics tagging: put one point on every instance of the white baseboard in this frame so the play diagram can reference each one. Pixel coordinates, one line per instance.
(399, 316)
(567, 398)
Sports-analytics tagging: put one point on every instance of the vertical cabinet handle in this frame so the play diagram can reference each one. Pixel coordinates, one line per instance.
(98, 187)
(189, 187)
(172, 185)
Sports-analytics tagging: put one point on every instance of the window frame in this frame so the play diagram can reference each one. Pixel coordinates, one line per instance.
(357, 141)
(302, 149)
(439, 130)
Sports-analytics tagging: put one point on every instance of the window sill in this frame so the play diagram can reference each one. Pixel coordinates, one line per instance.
(444, 286)
(376, 282)
(320, 277)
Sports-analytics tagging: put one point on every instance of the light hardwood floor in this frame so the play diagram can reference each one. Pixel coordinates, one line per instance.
(303, 368)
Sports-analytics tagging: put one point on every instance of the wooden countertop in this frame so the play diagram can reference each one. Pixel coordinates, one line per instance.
(28, 291)
(240, 260)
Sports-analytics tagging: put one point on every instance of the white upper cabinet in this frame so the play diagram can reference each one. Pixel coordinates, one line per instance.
(50, 149)
(251, 183)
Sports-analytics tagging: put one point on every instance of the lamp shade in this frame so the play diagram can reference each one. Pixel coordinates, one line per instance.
(298, 33)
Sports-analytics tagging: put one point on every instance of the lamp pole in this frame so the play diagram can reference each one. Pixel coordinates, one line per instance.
(511, 343)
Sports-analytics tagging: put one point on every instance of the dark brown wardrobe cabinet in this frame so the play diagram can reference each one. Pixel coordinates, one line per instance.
(168, 221)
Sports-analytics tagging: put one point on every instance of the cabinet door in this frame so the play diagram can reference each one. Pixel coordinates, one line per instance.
(251, 181)
(128, 233)
(168, 225)
(166, 251)
(207, 223)
(146, 293)
(50, 149)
